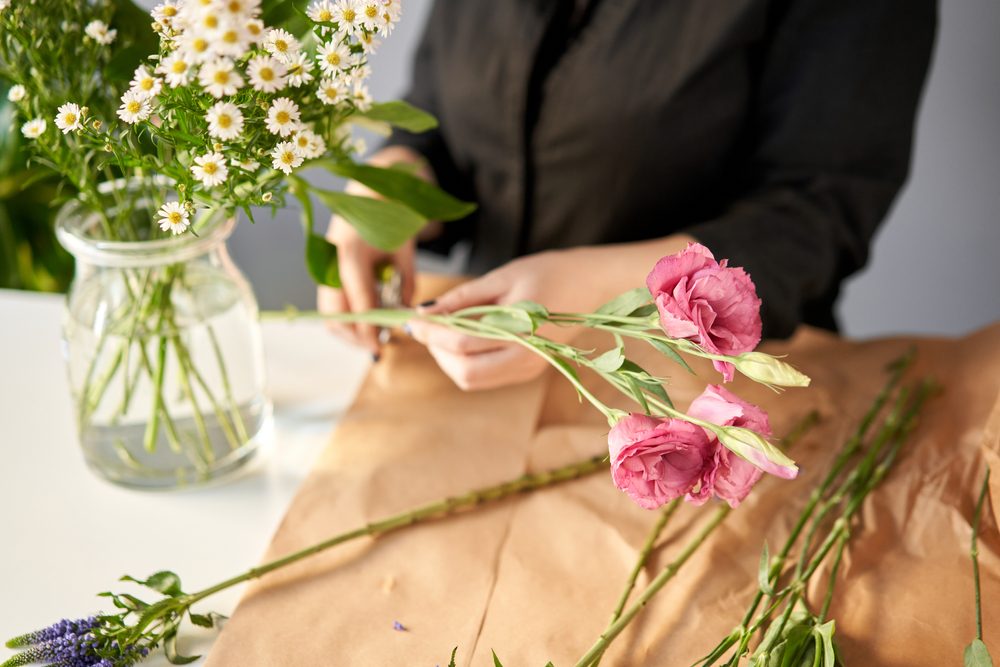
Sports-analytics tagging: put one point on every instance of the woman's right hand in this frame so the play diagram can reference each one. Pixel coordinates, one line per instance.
(358, 261)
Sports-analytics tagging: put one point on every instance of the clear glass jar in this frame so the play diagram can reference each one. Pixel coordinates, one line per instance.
(164, 352)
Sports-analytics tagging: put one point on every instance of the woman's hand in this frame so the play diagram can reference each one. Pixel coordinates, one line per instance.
(577, 280)
(358, 261)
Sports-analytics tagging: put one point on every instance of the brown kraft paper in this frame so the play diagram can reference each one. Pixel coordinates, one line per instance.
(535, 577)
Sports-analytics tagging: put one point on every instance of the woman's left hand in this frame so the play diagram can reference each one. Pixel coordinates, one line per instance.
(577, 280)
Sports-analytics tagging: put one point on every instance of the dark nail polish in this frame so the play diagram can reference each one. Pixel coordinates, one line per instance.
(428, 304)
(376, 357)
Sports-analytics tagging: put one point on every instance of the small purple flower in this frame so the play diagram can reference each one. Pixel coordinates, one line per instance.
(398, 626)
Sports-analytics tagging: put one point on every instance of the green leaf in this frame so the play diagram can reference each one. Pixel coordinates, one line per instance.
(720, 650)
(201, 621)
(764, 572)
(977, 655)
(671, 353)
(124, 63)
(453, 652)
(825, 632)
(496, 660)
(384, 224)
(637, 393)
(625, 304)
(321, 260)
(646, 381)
(402, 115)
(610, 361)
(536, 312)
(425, 198)
(165, 582)
(170, 648)
(509, 321)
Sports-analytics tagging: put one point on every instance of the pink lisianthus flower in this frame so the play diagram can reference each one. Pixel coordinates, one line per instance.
(727, 475)
(655, 460)
(707, 302)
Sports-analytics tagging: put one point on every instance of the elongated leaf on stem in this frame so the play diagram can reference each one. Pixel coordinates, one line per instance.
(640, 398)
(720, 650)
(509, 321)
(610, 361)
(977, 655)
(671, 354)
(401, 114)
(496, 660)
(201, 621)
(386, 225)
(425, 198)
(165, 582)
(645, 380)
(627, 303)
(453, 652)
(170, 648)
(322, 261)
(764, 572)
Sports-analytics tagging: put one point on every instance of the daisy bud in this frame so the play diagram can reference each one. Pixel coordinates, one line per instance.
(108, 148)
(97, 125)
(267, 197)
(218, 147)
(765, 368)
(85, 111)
(182, 188)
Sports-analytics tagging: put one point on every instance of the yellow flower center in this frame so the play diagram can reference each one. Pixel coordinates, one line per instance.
(282, 117)
(179, 66)
(69, 118)
(170, 12)
(221, 77)
(302, 141)
(253, 29)
(230, 37)
(371, 12)
(386, 17)
(350, 15)
(211, 22)
(209, 168)
(333, 58)
(366, 38)
(326, 15)
(199, 45)
(266, 74)
(280, 45)
(175, 218)
(134, 107)
(235, 6)
(288, 157)
(294, 69)
(224, 121)
(146, 84)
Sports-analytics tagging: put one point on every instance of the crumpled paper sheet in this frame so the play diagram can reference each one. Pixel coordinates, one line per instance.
(535, 577)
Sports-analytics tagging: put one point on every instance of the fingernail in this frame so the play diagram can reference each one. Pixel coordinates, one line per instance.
(376, 357)
(428, 304)
(407, 330)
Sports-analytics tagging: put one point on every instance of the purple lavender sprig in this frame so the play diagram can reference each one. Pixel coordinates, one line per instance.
(73, 644)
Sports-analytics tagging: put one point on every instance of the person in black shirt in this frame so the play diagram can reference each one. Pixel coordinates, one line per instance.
(600, 135)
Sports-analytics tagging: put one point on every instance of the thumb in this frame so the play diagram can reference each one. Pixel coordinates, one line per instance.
(480, 291)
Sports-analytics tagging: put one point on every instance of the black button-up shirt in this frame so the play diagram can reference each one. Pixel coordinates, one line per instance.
(775, 132)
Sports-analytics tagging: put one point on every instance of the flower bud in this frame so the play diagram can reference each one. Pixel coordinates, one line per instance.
(85, 111)
(769, 370)
(753, 448)
(97, 125)
(218, 148)
(267, 197)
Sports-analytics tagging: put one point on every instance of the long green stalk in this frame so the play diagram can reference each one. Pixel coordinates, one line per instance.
(974, 553)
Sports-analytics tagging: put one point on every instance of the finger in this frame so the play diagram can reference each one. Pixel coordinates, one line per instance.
(488, 370)
(449, 340)
(330, 300)
(480, 291)
(358, 276)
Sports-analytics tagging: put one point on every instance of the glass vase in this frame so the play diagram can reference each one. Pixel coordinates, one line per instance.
(163, 348)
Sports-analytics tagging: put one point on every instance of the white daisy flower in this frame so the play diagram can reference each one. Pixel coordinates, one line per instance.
(246, 165)
(331, 91)
(164, 13)
(282, 45)
(310, 143)
(255, 28)
(176, 70)
(393, 10)
(34, 128)
(347, 16)
(299, 71)
(144, 84)
(286, 156)
(321, 11)
(98, 31)
(371, 13)
(238, 10)
(283, 117)
(210, 169)
(267, 74)
(219, 79)
(205, 20)
(134, 108)
(225, 121)
(359, 146)
(361, 97)
(368, 42)
(335, 57)
(357, 76)
(173, 217)
(17, 93)
(4, 4)
(232, 40)
(195, 48)
(69, 118)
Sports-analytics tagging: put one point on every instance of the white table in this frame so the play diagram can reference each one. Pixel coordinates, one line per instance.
(67, 535)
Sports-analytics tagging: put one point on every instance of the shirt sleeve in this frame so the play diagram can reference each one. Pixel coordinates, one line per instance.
(830, 135)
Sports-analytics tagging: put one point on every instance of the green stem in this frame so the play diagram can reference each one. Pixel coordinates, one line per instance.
(153, 425)
(647, 548)
(833, 579)
(184, 374)
(974, 552)
(238, 422)
(431, 510)
(654, 587)
(220, 414)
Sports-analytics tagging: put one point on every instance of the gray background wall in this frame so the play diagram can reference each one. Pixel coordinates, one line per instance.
(933, 268)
